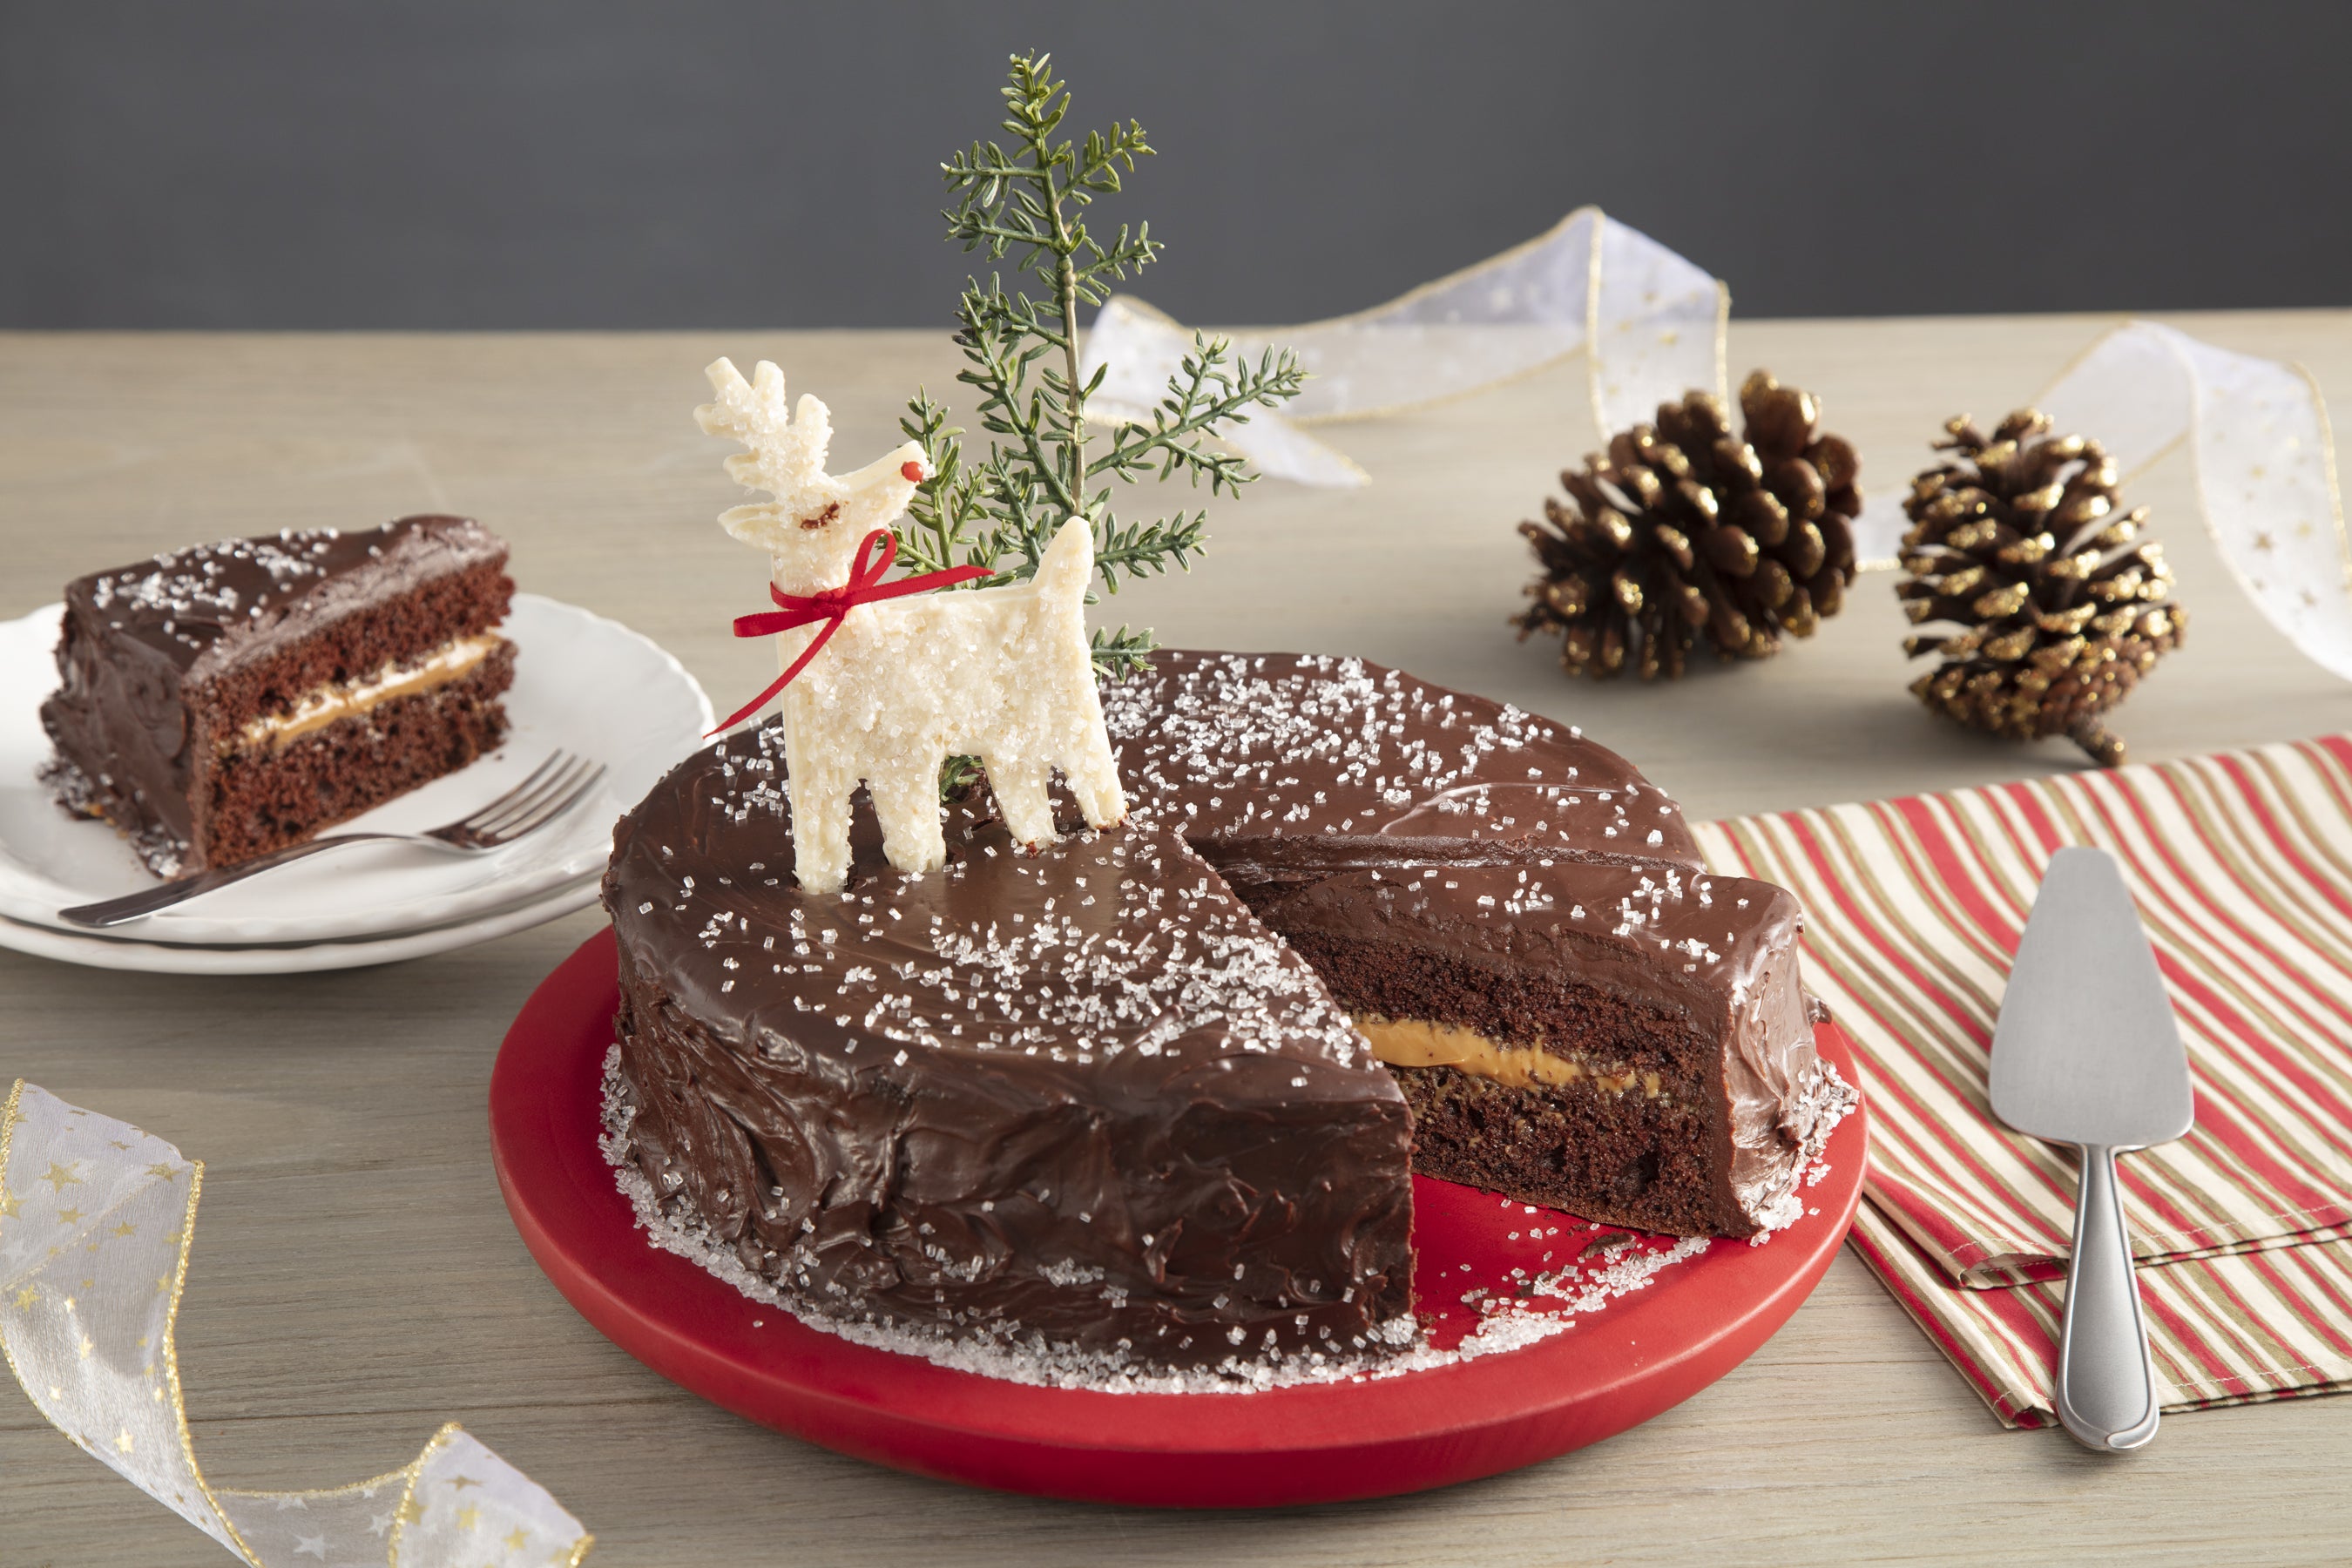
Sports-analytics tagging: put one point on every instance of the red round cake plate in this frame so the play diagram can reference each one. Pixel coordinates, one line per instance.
(1696, 1320)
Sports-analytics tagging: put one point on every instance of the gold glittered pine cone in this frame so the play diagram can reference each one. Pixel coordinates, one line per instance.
(2044, 602)
(1682, 530)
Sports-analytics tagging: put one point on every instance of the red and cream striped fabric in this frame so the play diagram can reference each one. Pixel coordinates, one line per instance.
(2241, 865)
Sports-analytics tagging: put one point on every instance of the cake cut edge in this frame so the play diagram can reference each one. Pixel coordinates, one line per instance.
(1609, 1042)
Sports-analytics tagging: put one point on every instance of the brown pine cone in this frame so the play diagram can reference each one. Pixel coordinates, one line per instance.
(2048, 608)
(1680, 528)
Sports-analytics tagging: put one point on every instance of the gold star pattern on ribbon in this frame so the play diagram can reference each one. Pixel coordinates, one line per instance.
(2264, 465)
(101, 1365)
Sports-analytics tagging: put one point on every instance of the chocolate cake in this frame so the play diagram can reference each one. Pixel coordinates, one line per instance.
(1628, 1044)
(224, 700)
(1103, 1104)
(1068, 1096)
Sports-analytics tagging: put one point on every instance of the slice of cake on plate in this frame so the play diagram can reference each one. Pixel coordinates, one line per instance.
(226, 699)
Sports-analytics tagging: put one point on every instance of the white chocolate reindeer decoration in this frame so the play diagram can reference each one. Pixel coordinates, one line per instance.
(880, 688)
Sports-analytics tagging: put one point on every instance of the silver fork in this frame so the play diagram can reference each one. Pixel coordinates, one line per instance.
(554, 788)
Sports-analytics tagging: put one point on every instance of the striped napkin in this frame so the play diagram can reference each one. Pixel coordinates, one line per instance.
(2241, 865)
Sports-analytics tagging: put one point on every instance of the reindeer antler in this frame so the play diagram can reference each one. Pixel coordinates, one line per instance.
(785, 457)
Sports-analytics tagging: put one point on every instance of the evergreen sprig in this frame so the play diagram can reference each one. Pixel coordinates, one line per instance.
(1000, 512)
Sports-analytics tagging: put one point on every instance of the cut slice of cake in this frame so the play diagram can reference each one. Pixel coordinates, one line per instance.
(223, 701)
(1628, 1044)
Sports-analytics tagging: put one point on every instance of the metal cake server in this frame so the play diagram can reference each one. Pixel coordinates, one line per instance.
(2087, 1052)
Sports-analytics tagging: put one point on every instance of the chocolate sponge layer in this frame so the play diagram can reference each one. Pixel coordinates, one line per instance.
(265, 797)
(1634, 1154)
(1673, 993)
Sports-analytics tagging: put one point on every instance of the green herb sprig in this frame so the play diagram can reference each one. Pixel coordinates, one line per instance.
(1044, 465)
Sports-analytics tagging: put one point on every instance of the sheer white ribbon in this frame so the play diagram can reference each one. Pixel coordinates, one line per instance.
(2266, 465)
(2264, 459)
(96, 1220)
(1652, 326)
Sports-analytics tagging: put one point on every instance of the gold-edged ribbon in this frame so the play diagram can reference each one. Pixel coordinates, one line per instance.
(2265, 461)
(2264, 458)
(1650, 324)
(96, 1223)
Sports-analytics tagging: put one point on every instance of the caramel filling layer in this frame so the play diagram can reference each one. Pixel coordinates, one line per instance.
(337, 701)
(1418, 1043)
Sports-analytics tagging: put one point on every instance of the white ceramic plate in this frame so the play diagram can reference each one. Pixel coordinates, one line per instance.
(100, 952)
(583, 684)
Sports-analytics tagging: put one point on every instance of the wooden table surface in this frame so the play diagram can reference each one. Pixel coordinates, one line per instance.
(355, 1280)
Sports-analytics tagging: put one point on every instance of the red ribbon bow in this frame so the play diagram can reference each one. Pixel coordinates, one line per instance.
(865, 587)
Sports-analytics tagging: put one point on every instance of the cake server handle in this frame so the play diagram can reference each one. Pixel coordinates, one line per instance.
(2107, 1387)
(180, 889)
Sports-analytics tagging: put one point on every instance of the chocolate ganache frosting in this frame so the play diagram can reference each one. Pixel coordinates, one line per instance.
(1284, 768)
(1082, 1103)
(198, 611)
(1078, 1099)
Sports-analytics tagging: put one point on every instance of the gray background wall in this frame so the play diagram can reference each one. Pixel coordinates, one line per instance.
(733, 163)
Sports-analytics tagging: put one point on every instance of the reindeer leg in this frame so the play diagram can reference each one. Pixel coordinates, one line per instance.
(1093, 777)
(1019, 784)
(908, 804)
(820, 829)
(1084, 753)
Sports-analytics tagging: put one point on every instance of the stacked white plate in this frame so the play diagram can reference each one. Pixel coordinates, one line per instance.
(583, 684)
